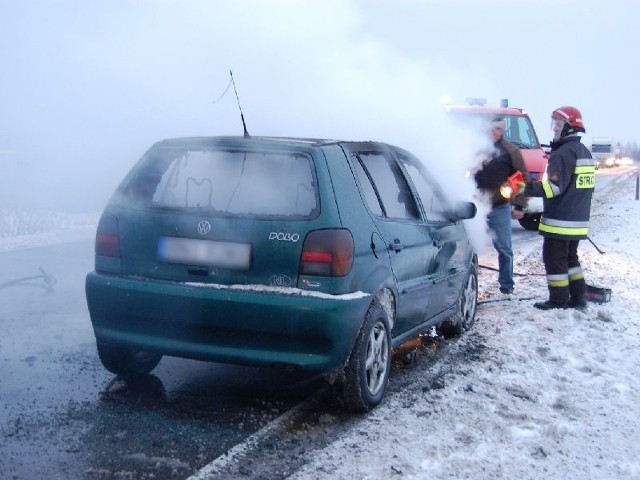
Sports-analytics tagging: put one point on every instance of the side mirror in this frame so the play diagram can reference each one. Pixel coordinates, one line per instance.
(463, 211)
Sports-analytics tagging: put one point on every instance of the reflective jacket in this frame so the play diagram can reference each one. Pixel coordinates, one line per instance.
(567, 191)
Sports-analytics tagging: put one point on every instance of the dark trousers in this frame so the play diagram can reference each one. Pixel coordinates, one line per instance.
(565, 278)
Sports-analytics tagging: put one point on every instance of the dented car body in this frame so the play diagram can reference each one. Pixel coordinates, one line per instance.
(314, 254)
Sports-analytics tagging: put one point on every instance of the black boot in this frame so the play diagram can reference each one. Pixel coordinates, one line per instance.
(558, 298)
(579, 303)
(549, 305)
(577, 290)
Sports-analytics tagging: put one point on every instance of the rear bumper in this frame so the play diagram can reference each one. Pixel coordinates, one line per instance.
(240, 325)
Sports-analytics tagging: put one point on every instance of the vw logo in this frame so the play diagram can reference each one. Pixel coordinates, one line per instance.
(203, 227)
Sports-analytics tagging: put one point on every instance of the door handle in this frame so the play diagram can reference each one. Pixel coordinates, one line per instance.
(396, 246)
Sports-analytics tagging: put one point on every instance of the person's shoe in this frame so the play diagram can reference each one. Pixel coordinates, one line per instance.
(506, 291)
(577, 303)
(549, 305)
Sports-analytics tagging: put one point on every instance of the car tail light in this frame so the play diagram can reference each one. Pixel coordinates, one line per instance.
(327, 253)
(108, 237)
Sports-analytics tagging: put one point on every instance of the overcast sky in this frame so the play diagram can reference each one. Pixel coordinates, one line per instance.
(87, 87)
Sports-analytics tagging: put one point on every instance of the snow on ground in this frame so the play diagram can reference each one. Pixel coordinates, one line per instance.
(25, 229)
(534, 395)
(526, 394)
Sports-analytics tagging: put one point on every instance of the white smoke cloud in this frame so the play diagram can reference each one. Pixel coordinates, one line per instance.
(94, 84)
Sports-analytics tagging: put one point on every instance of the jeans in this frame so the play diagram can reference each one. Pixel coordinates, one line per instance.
(499, 222)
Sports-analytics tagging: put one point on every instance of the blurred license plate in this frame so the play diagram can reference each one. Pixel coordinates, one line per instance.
(204, 252)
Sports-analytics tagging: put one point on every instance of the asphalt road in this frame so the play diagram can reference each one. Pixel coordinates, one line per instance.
(63, 416)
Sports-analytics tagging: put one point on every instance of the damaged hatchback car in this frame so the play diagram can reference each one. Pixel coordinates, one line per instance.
(321, 255)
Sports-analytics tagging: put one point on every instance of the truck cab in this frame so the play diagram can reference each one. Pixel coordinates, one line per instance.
(520, 132)
(603, 151)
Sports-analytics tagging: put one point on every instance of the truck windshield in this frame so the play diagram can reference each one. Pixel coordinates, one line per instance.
(520, 132)
(518, 128)
(600, 148)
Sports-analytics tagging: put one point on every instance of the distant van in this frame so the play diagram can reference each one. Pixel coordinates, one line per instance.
(520, 132)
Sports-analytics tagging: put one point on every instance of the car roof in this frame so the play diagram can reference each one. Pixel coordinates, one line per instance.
(488, 110)
(236, 140)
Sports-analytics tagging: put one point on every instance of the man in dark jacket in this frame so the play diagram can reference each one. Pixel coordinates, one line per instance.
(567, 196)
(504, 162)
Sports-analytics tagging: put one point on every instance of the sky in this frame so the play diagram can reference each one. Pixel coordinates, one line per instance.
(526, 394)
(87, 87)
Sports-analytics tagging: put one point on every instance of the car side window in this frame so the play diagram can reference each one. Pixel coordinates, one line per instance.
(369, 192)
(386, 190)
(430, 197)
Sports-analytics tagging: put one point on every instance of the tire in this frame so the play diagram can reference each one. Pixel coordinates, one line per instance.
(468, 303)
(366, 374)
(126, 362)
(530, 222)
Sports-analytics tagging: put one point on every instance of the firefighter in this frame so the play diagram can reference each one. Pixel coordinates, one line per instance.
(566, 194)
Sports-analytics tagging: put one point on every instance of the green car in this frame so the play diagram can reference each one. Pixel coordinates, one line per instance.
(321, 255)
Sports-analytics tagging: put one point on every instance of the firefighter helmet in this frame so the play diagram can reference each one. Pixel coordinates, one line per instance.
(572, 116)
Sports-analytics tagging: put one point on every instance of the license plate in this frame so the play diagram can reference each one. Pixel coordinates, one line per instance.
(211, 253)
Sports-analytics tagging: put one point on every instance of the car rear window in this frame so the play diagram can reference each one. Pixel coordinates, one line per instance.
(226, 182)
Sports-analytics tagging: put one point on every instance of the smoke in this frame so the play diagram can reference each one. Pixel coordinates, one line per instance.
(94, 84)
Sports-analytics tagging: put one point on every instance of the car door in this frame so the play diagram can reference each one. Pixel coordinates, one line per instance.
(409, 245)
(449, 237)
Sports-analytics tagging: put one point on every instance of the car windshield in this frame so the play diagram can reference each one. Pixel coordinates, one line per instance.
(226, 182)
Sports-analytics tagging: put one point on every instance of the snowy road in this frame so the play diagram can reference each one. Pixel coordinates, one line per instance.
(526, 394)
(61, 415)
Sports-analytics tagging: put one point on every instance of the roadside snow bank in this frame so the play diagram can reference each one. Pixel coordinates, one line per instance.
(25, 229)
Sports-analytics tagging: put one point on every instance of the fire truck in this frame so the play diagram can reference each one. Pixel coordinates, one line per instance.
(520, 132)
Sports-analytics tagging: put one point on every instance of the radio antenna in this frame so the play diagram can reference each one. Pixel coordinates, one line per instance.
(244, 125)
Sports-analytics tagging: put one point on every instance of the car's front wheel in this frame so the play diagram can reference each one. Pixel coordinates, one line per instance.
(126, 362)
(367, 371)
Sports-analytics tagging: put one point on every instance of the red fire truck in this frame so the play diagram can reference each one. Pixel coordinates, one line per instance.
(519, 131)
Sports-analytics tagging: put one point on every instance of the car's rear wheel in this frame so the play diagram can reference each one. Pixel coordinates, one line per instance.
(126, 362)
(530, 222)
(367, 371)
(468, 303)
